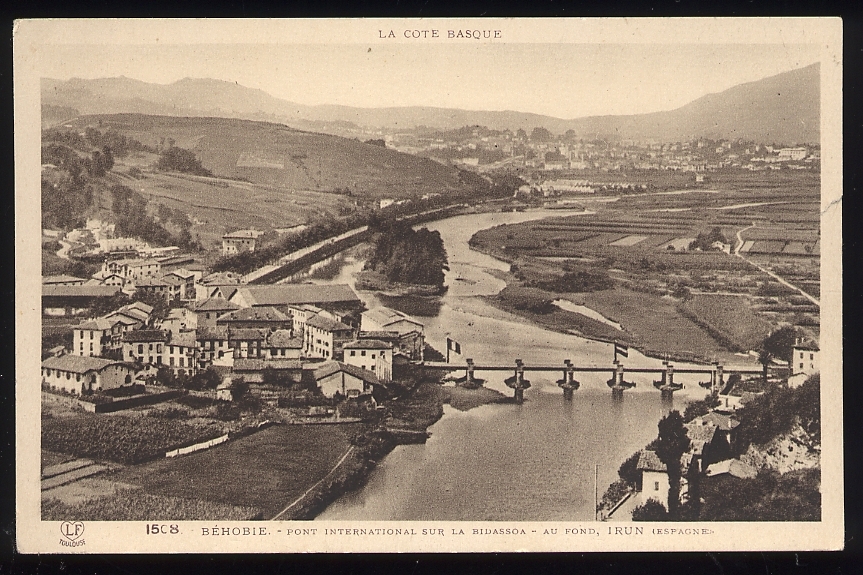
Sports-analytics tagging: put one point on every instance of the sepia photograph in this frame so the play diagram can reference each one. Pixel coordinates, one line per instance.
(429, 285)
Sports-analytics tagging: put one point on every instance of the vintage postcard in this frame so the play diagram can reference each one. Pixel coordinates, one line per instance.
(428, 285)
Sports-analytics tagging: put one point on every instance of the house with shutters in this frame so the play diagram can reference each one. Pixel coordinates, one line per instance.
(210, 309)
(145, 346)
(181, 351)
(324, 337)
(411, 338)
(281, 344)
(248, 343)
(83, 374)
(371, 354)
(187, 282)
(95, 337)
(264, 317)
(212, 345)
(132, 269)
(167, 287)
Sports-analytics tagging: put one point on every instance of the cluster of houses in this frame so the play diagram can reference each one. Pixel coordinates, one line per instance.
(294, 331)
(712, 440)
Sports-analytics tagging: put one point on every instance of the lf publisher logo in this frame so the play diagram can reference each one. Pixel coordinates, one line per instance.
(72, 530)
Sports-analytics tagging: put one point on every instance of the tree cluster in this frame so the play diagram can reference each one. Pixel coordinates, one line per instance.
(181, 160)
(132, 220)
(409, 256)
(704, 241)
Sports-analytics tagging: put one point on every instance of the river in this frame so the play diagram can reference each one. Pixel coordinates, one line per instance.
(533, 461)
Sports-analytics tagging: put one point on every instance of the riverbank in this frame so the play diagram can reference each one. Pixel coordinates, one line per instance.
(376, 282)
(416, 412)
(649, 323)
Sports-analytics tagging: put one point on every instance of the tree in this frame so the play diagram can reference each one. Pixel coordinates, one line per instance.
(629, 472)
(540, 134)
(671, 444)
(780, 342)
(651, 510)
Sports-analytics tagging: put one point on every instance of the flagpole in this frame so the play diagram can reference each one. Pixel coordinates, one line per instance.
(595, 487)
(447, 350)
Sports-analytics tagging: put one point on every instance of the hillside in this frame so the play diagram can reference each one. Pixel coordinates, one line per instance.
(784, 108)
(278, 156)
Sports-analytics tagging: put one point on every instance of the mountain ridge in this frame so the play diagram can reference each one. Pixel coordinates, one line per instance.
(753, 110)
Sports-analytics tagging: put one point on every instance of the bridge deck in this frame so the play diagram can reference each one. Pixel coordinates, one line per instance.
(588, 369)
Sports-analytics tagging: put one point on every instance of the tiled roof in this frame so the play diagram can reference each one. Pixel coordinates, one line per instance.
(252, 364)
(326, 323)
(368, 344)
(384, 316)
(649, 461)
(79, 291)
(247, 334)
(284, 338)
(242, 234)
(215, 304)
(47, 280)
(722, 421)
(265, 313)
(703, 431)
(331, 367)
(139, 305)
(145, 335)
(183, 338)
(292, 294)
(214, 333)
(78, 363)
(221, 278)
(806, 346)
(381, 335)
(98, 324)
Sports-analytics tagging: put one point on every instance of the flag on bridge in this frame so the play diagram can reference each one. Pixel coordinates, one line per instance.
(452, 345)
(620, 349)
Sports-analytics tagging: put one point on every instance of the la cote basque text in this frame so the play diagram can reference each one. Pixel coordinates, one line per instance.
(455, 34)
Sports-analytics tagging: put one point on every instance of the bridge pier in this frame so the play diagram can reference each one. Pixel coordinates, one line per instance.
(469, 373)
(568, 383)
(669, 388)
(517, 382)
(720, 377)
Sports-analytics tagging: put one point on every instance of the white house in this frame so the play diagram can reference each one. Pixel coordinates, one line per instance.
(132, 269)
(324, 337)
(77, 374)
(335, 377)
(804, 358)
(654, 478)
(411, 340)
(371, 354)
(239, 241)
(93, 338)
(182, 352)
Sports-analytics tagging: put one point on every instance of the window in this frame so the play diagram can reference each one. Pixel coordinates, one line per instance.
(140, 348)
(150, 347)
(656, 486)
(811, 356)
(91, 335)
(801, 366)
(801, 355)
(171, 361)
(68, 375)
(182, 361)
(172, 349)
(159, 359)
(158, 348)
(373, 356)
(353, 353)
(363, 353)
(382, 355)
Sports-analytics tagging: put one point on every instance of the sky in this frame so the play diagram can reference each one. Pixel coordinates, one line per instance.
(561, 80)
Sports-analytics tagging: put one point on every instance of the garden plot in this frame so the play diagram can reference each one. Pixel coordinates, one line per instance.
(628, 241)
(678, 243)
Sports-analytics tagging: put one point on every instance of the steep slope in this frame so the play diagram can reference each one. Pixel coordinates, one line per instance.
(279, 156)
